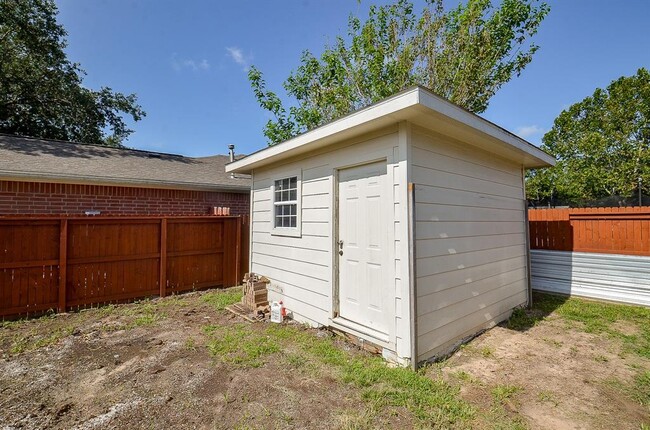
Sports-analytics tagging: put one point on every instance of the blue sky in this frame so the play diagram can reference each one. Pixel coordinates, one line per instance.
(187, 61)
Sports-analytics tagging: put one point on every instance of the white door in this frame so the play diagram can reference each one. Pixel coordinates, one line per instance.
(362, 247)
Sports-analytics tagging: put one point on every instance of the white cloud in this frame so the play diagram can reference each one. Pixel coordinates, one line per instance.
(237, 55)
(189, 64)
(529, 131)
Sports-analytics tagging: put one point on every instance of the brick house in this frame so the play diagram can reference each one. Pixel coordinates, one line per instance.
(48, 177)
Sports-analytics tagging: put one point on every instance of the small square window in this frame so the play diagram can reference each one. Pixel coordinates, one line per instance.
(286, 202)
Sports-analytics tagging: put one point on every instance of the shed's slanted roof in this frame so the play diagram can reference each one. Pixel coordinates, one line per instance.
(25, 158)
(419, 106)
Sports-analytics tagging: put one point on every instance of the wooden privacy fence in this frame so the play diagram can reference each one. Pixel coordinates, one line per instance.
(598, 230)
(63, 263)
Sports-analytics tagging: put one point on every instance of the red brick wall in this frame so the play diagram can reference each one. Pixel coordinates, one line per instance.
(38, 198)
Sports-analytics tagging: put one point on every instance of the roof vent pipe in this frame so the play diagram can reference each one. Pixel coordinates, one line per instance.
(231, 150)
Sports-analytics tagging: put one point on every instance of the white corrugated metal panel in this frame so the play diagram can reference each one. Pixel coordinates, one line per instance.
(620, 278)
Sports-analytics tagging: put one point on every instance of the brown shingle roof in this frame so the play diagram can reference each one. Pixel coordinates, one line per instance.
(26, 158)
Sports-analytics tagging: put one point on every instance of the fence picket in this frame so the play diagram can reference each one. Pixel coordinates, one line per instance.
(604, 230)
(97, 260)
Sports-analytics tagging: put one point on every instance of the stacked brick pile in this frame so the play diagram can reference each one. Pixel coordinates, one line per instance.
(255, 293)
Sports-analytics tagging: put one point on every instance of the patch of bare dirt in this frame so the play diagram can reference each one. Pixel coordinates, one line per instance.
(147, 366)
(562, 378)
(154, 376)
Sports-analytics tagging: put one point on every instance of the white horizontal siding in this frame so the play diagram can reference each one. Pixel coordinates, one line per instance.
(455, 278)
(426, 176)
(294, 253)
(445, 196)
(300, 310)
(620, 278)
(432, 321)
(316, 229)
(262, 224)
(470, 240)
(442, 339)
(431, 303)
(316, 201)
(298, 285)
(315, 214)
(317, 186)
(444, 229)
(460, 213)
(460, 245)
(450, 263)
(314, 243)
(301, 268)
(308, 269)
(454, 159)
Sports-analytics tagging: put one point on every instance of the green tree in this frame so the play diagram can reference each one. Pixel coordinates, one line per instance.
(465, 55)
(41, 91)
(602, 145)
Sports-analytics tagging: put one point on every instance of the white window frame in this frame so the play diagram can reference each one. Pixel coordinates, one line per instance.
(288, 231)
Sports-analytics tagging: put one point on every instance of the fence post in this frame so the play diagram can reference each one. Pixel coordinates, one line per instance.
(528, 257)
(63, 263)
(163, 257)
(238, 248)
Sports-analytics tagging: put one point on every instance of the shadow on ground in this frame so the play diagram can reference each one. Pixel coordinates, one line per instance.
(543, 305)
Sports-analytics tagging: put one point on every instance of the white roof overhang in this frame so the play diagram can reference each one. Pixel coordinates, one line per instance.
(418, 106)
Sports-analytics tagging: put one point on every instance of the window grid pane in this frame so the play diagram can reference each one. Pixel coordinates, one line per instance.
(286, 215)
(286, 190)
(285, 201)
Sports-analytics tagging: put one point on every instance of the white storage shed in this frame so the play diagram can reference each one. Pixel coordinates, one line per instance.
(403, 223)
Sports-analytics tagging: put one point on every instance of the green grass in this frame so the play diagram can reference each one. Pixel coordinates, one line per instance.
(433, 402)
(638, 390)
(356, 420)
(240, 344)
(104, 311)
(521, 319)
(501, 393)
(296, 360)
(626, 323)
(547, 396)
(641, 391)
(139, 314)
(591, 317)
(173, 301)
(32, 342)
(221, 299)
(487, 352)
(463, 376)
(146, 319)
(190, 344)
(20, 344)
(599, 318)
(15, 323)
